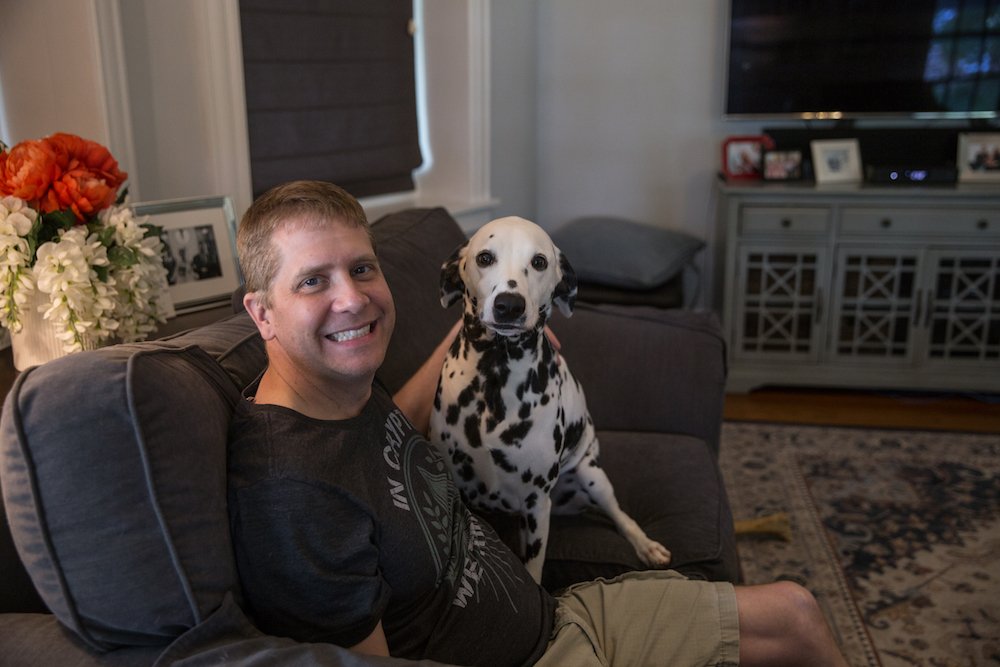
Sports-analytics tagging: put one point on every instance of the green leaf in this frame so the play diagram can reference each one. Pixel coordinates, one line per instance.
(102, 273)
(122, 196)
(122, 258)
(152, 230)
(106, 236)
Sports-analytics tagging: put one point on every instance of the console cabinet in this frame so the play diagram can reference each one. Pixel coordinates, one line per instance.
(879, 287)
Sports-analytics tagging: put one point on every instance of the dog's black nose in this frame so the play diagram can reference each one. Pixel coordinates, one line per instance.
(508, 306)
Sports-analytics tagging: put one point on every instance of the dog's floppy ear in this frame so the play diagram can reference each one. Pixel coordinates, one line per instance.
(452, 286)
(565, 292)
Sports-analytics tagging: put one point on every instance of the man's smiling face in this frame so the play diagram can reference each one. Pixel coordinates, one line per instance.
(330, 314)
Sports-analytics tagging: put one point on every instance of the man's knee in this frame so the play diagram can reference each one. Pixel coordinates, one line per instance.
(801, 609)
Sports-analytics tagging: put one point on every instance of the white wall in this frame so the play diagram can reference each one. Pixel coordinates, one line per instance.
(628, 113)
(50, 68)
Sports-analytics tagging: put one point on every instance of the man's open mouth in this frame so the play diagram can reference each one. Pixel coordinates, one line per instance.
(351, 334)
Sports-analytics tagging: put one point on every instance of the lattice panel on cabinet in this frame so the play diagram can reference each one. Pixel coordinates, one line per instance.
(877, 300)
(779, 302)
(965, 308)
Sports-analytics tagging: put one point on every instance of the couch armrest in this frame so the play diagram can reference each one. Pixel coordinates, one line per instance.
(648, 369)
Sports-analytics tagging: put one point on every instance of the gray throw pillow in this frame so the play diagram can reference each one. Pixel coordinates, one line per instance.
(114, 476)
(623, 253)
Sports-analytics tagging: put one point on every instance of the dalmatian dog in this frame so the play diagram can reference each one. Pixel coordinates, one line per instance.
(509, 417)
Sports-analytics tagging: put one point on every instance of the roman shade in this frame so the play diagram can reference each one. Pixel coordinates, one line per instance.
(331, 93)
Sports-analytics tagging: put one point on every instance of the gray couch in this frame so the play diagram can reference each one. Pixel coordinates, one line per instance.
(112, 464)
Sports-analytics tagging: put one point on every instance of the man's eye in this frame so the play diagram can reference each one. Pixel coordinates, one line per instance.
(311, 282)
(539, 263)
(364, 270)
(485, 258)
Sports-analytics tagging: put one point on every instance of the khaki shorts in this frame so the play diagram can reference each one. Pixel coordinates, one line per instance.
(653, 617)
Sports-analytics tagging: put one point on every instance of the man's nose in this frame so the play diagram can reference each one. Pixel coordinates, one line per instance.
(349, 297)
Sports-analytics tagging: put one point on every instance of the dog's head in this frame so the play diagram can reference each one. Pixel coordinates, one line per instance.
(509, 273)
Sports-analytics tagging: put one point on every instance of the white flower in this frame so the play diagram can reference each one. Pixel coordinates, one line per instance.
(16, 223)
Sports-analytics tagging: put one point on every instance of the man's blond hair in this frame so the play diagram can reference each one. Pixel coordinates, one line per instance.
(299, 203)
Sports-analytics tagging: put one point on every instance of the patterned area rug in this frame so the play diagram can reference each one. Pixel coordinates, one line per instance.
(896, 533)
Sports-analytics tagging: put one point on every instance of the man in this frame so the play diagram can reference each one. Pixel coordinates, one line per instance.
(349, 530)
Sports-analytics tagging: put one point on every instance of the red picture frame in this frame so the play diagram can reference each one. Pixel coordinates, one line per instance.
(743, 157)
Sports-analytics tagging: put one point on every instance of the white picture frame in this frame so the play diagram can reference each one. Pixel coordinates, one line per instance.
(836, 160)
(978, 157)
(199, 239)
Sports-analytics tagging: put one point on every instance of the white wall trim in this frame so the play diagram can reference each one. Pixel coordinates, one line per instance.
(226, 109)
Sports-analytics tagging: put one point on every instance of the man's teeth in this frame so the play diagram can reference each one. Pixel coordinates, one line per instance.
(342, 336)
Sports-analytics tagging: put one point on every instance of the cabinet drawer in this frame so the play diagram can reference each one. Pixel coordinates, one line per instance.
(935, 222)
(781, 220)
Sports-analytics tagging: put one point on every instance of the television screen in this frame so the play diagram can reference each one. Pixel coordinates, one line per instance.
(853, 58)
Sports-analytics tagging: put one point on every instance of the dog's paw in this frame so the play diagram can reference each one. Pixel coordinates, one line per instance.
(654, 554)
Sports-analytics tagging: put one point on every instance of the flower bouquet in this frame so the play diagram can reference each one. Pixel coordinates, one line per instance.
(73, 247)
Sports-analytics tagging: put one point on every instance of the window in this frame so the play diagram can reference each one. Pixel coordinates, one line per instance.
(331, 93)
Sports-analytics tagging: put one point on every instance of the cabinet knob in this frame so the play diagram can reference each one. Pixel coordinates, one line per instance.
(886, 223)
(982, 224)
(786, 222)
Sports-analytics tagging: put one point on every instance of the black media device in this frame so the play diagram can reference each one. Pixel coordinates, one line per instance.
(911, 175)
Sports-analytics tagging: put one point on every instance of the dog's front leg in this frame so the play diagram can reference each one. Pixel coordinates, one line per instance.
(535, 536)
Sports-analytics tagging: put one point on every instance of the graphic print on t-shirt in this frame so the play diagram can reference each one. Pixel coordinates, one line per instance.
(419, 482)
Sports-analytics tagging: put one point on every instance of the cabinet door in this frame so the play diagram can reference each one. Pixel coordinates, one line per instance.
(961, 319)
(875, 304)
(779, 302)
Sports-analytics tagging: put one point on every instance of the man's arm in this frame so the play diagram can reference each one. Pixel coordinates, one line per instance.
(416, 397)
(374, 644)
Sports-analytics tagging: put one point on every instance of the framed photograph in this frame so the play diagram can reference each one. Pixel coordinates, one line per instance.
(199, 249)
(742, 157)
(782, 165)
(836, 160)
(978, 157)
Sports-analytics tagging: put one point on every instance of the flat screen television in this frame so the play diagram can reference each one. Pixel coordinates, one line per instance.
(859, 58)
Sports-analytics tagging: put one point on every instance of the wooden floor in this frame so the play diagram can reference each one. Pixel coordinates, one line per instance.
(913, 410)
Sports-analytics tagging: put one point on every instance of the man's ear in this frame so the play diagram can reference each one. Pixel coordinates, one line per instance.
(452, 285)
(259, 313)
(564, 295)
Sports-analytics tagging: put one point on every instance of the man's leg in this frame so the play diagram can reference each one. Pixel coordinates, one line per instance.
(782, 624)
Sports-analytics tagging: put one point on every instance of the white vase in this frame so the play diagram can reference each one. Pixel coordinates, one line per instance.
(36, 343)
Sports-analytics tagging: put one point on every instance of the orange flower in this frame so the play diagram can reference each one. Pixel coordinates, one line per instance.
(88, 177)
(28, 170)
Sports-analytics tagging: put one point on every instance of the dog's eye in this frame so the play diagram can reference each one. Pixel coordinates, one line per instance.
(485, 258)
(539, 263)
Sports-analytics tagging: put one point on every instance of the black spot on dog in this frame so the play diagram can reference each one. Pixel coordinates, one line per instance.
(525, 411)
(532, 523)
(506, 505)
(500, 458)
(554, 471)
(472, 431)
(534, 549)
(527, 475)
(531, 500)
(544, 400)
(557, 438)
(512, 284)
(540, 482)
(574, 432)
(515, 433)
(451, 415)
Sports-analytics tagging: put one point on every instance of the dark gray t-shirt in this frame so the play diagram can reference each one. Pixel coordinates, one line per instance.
(339, 524)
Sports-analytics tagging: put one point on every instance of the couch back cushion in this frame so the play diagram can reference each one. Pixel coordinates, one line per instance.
(412, 246)
(114, 481)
